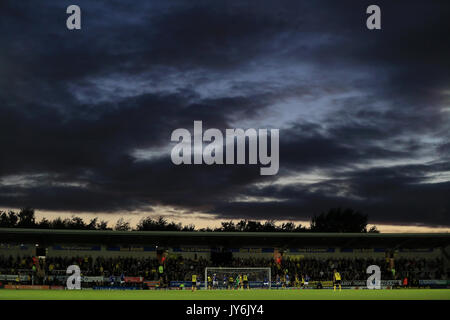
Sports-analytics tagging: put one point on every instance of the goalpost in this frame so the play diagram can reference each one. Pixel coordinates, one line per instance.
(254, 274)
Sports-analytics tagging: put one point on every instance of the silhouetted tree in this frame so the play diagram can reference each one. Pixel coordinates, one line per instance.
(58, 223)
(288, 227)
(122, 225)
(253, 226)
(77, 223)
(8, 220)
(26, 218)
(269, 226)
(103, 225)
(189, 227)
(44, 224)
(339, 220)
(335, 220)
(92, 225)
(227, 226)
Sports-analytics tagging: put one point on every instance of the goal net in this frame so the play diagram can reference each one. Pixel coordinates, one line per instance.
(220, 277)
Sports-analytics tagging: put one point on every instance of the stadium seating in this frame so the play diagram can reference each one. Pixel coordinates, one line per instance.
(181, 269)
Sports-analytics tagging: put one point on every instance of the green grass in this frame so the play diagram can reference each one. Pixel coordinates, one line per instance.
(400, 294)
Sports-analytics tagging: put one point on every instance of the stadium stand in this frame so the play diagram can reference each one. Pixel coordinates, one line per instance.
(134, 259)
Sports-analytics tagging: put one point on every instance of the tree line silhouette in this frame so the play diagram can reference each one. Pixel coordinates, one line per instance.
(334, 220)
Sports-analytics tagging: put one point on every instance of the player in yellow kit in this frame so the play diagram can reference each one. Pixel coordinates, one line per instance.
(297, 281)
(194, 282)
(210, 282)
(337, 280)
(17, 281)
(246, 285)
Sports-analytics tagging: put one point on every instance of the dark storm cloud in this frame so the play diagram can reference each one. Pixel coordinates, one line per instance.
(389, 195)
(76, 105)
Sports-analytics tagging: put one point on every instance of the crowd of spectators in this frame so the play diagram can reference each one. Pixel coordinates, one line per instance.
(181, 269)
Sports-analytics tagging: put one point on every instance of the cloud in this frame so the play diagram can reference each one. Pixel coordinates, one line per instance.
(366, 110)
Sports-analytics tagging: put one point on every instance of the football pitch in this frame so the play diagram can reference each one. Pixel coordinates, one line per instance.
(400, 294)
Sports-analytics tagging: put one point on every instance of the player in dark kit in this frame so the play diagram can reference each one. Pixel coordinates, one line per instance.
(230, 282)
(215, 282)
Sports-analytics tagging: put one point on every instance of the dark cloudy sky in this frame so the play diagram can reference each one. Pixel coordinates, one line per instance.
(364, 116)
